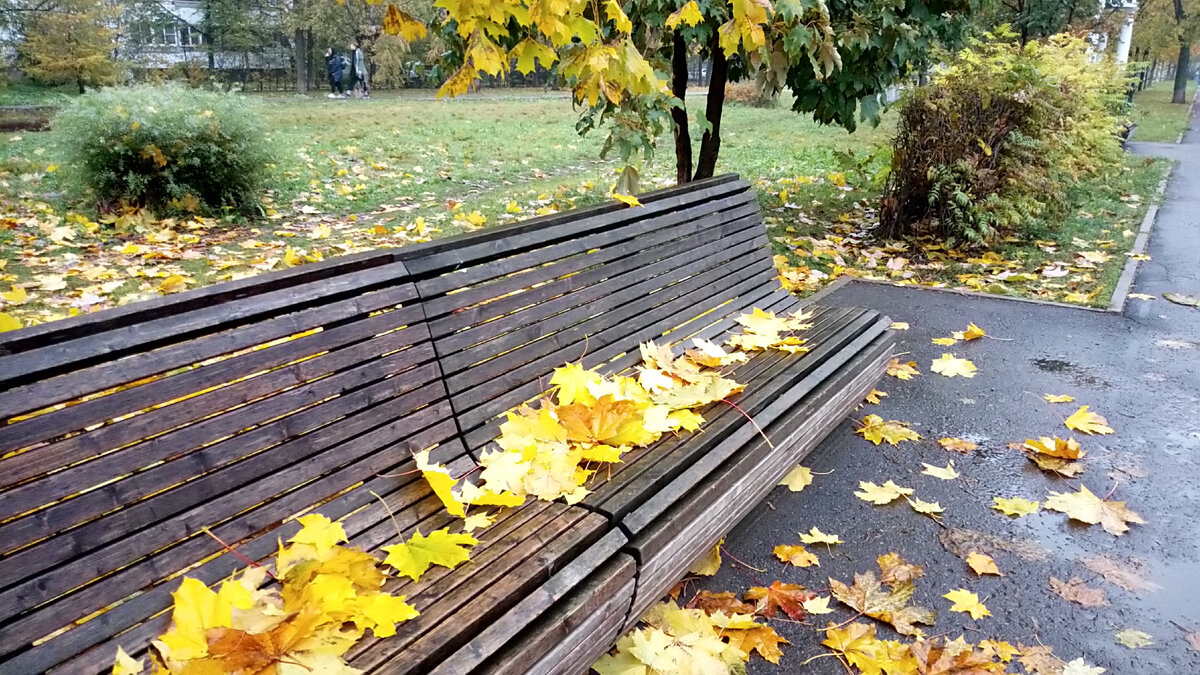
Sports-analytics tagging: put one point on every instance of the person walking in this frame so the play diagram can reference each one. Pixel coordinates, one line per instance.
(334, 66)
(358, 70)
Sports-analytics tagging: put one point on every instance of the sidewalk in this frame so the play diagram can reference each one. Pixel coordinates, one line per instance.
(1141, 370)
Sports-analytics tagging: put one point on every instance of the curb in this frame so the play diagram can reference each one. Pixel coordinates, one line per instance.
(1124, 285)
(1191, 116)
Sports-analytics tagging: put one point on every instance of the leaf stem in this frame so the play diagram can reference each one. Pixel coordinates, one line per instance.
(234, 551)
(747, 416)
(743, 564)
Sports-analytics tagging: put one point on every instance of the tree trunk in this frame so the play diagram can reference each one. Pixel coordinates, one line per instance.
(301, 60)
(683, 137)
(1181, 74)
(710, 144)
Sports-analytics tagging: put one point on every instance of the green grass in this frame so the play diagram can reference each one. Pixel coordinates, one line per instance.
(1157, 118)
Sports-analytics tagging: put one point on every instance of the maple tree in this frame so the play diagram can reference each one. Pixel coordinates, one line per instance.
(73, 43)
(626, 62)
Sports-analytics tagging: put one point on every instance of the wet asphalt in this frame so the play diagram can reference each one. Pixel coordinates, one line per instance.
(1139, 369)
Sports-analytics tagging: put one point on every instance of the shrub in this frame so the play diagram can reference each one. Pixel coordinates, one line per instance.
(992, 144)
(166, 148)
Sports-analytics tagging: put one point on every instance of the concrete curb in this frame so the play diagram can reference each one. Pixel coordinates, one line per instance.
(1125, 283)
(1191, 116)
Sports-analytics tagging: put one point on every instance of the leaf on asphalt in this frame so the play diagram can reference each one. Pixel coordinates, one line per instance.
(877, 431)
(1193, 640)
(972, 332)
(1128, 576)
(982, 564)
(967, 602)
(894, 569)
(950, 365)
(1088, 508)
(1040, 660)
(1058, 398)
(709, 563)
(726, 602)
(903, 371)
(818, 605)
(797, 555)
(1181, 299)
(899, 325)
(1080, 667)
(1058, 465)
(1076, 591)
(780, 597)
(881, 494)
(962, 542)
(1055, 447)
(944, 341)
(1088, 422)
(931, 509)
(957, 445)
(947, 473)
(816, 536)
(1014, 506)
(798, 478)
(868, 597)
(762, 639)
(875, 395)
(1134, 639)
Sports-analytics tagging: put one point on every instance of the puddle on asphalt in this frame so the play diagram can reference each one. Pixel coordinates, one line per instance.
(1078, 374)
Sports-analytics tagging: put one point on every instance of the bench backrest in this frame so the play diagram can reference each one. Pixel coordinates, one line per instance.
(508, 305)
(125, 434)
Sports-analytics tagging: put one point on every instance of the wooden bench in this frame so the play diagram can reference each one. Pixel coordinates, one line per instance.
(236, 408)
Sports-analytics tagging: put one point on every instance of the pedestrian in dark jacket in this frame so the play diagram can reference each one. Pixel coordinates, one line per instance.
(334, 66)
(358, 70)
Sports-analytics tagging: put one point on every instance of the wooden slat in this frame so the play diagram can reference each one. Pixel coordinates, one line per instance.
(577, 631)
(689, 528)
(532, 607)
(26, 366)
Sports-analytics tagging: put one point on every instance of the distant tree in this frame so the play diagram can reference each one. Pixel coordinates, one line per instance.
(1168, 29)
(72, 43)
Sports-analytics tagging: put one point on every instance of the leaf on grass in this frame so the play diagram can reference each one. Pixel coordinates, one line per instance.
(982, 564)
(877, 431)
(797, 555)
(881, 494)
(816, 536)
(1058, 398)
(1076, 591)
(950, 365)
(1088, 508)
(947, 473)
(1134, 639)
(788, 598)
(1088, 422)
(957, 445)
(903, 371)
(1128, 576)
(967, 602)
(798, 478)
(1014, 506)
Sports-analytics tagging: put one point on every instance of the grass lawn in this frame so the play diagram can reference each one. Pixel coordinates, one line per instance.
(354, 175)
(1157, 118)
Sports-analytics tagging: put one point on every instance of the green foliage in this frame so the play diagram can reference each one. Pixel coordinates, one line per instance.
(167, 148)
(993, 144)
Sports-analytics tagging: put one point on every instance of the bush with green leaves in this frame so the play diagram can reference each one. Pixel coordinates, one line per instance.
(990, 147)
(168, 148)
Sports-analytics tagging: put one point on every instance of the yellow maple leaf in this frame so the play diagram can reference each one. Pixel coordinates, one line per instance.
(319, 532)
(708, 564)
(1015, 506)
(947, 473)
(967, 602)
(944, 341)
(899, 325)
(1088, 508)
(396, 22)
(629, 200)
(17, 295)
(321, 231)
(982, 564)
(950, 365)
(972, 332)
(761, 638)
(442, 484)
(126, 664)
(815, 536)
(877, 431)
(798, 478)
(687, 420)
(818, 605)
(1055, 447)
(606, 421)
(9, 322)
(881, 494)
(931, 509)
(414, 557)
(903, 371)
(173, 284)
(572, 381)
(1088, 422)
(957, 445)
(688, 14)
(797, 555)
(1058, 398)
(874, 396)
(477, 521)
(197, 610)
(380, 612)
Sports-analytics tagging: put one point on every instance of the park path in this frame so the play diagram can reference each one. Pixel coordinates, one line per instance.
(1140, 369)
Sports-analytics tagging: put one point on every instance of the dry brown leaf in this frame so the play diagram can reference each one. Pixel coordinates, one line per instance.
(894, 569)
(963, 542)
(727, 602)
(1076, 591)
(957, 445)
(1127, 576)
(1040, 660)
(1193, 640)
